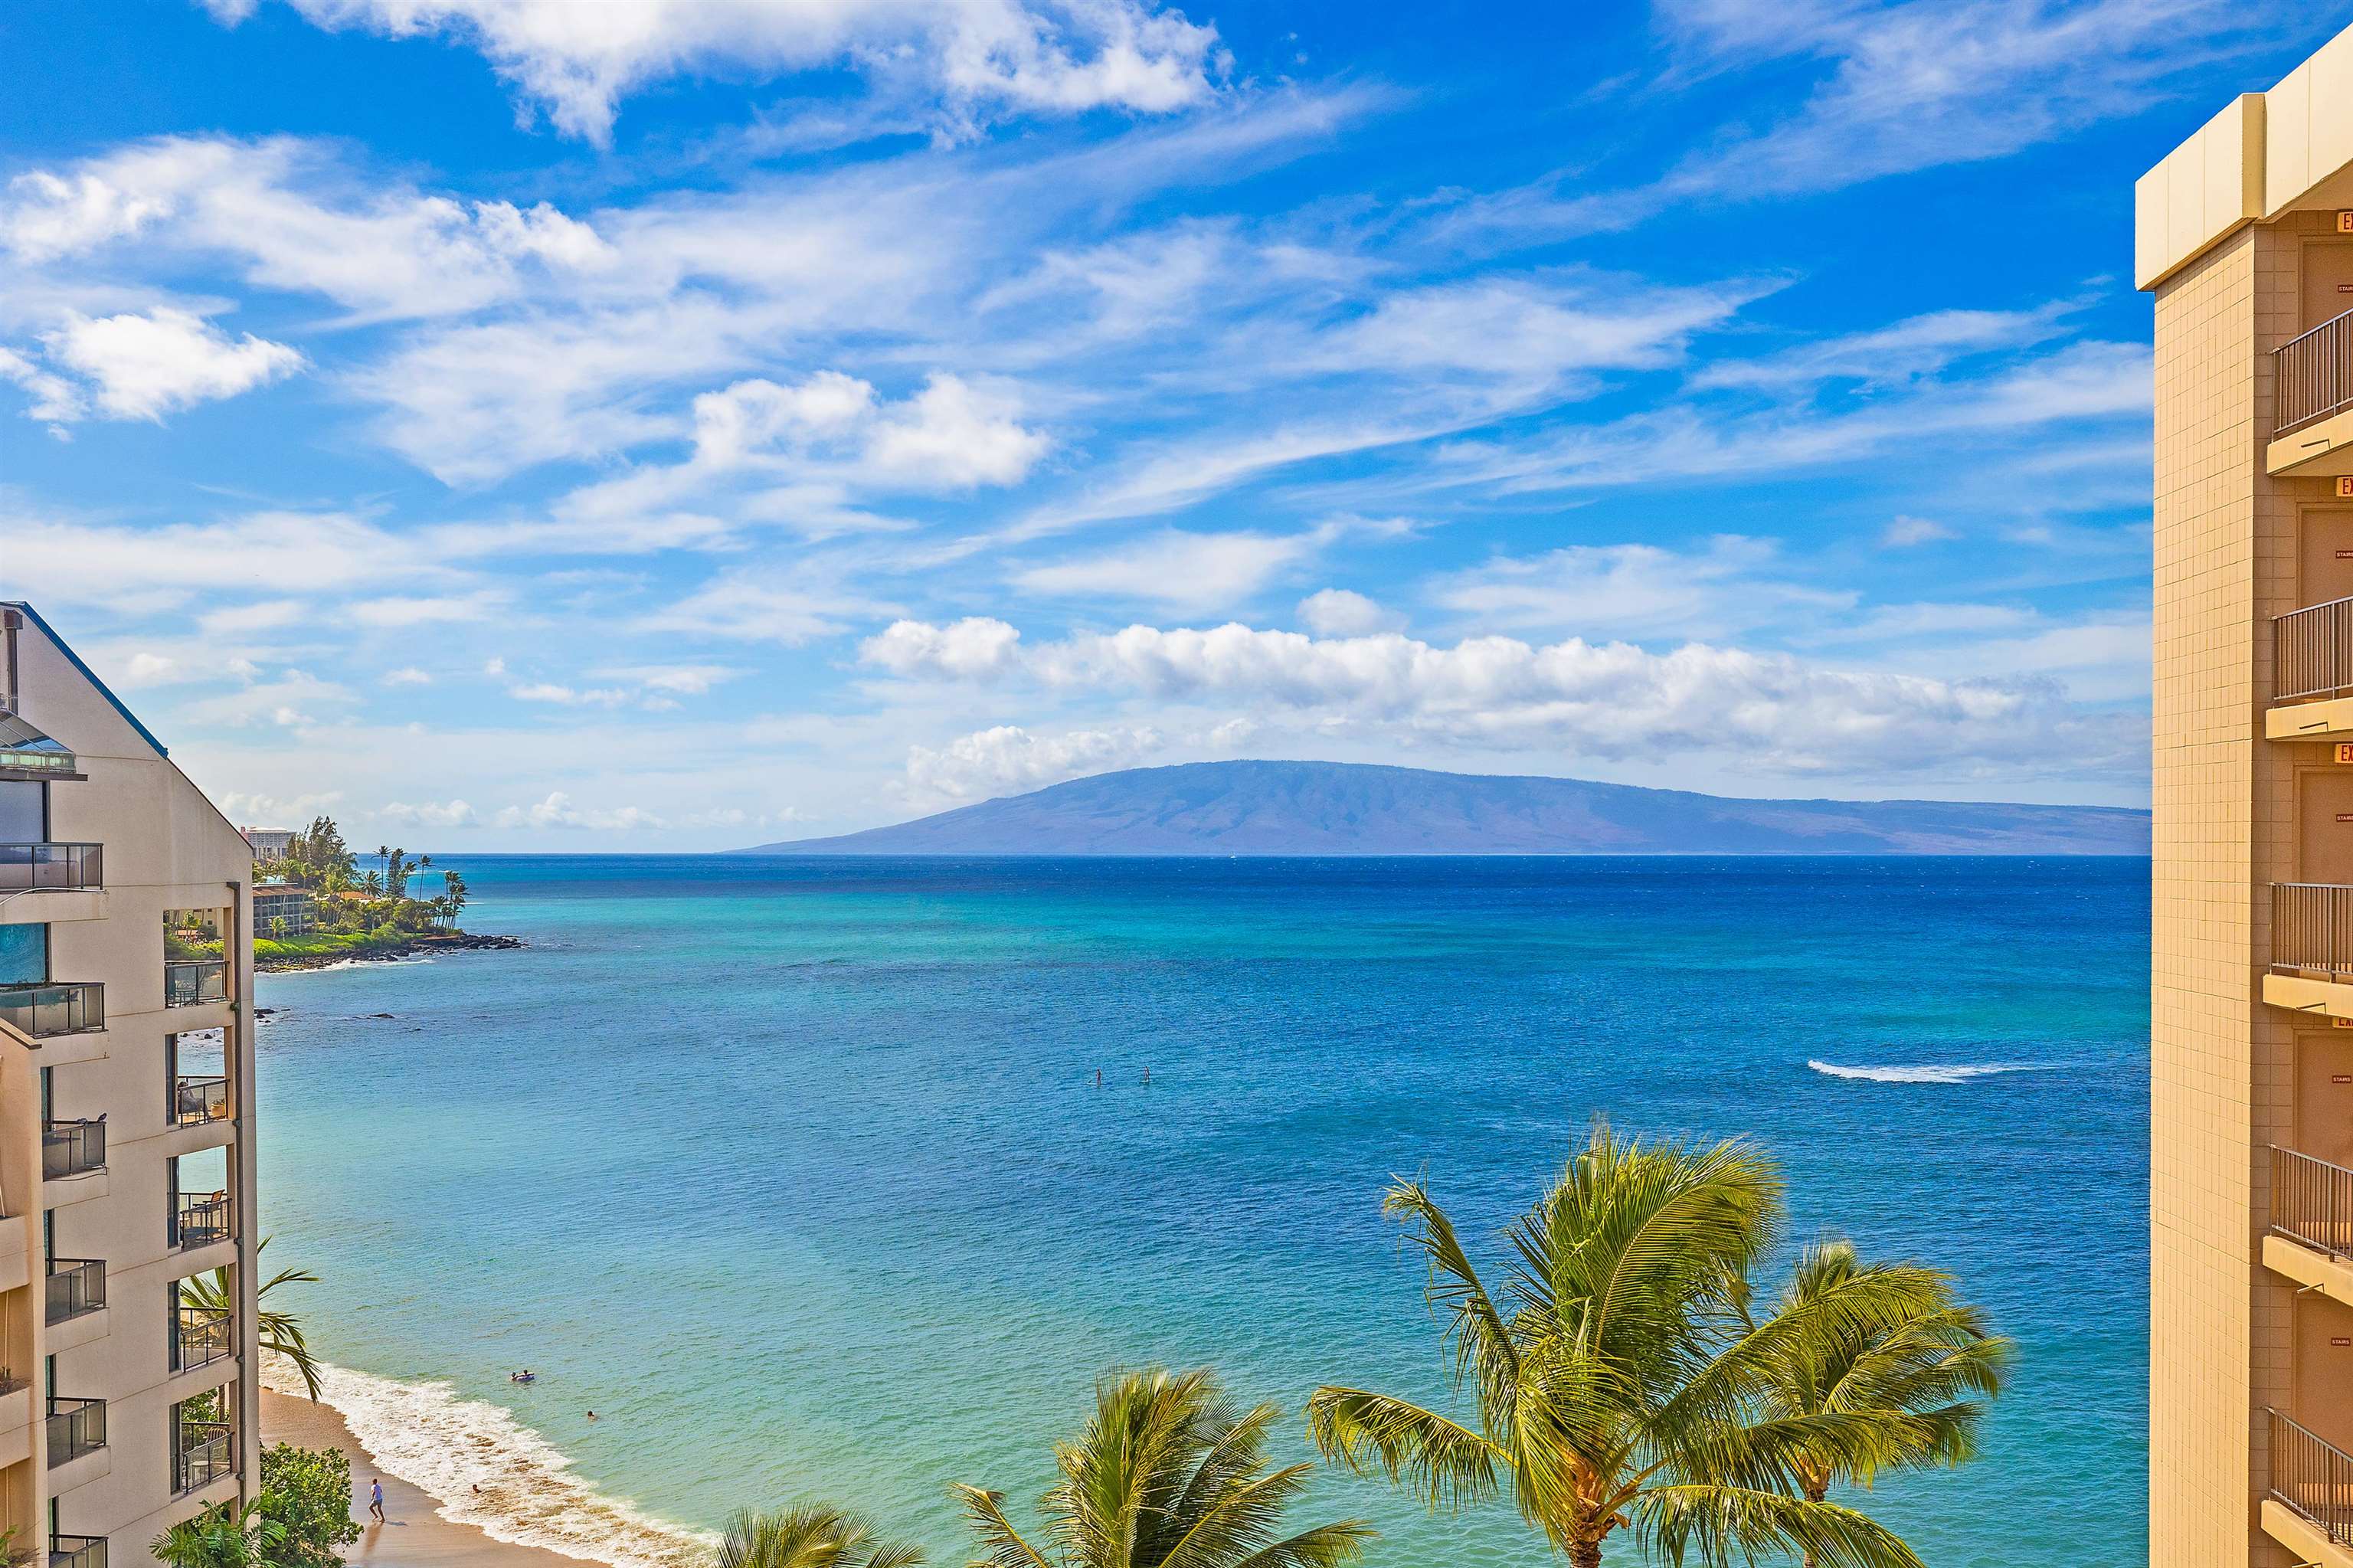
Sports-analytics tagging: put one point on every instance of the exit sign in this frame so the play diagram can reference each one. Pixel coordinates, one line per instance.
(2345, 487)
(2344, 752)
(2345, 223)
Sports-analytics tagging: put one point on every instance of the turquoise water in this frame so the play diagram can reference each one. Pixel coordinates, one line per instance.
(795, 1171)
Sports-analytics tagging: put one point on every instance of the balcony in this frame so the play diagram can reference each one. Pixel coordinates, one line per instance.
(77, 1552)
(45, 1012)
(191, 982)
(200, 1220)
(200, 1337)
(2309, 1507)
(72, 1149)
(2312, 949)
(2312, 673)
(61, 867)
(77, 1426)
(77, 1289)
(2311, 1236)
(2312, 390)
(196, 1101)
(207, 1451)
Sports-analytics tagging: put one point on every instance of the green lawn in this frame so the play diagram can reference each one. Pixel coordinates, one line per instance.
(325, 945)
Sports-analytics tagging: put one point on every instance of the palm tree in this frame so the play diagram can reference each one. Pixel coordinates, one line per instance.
(1617, 1383)
(278, 1330)
(810, 1536)
(1170, 1472)
(1914, 1374)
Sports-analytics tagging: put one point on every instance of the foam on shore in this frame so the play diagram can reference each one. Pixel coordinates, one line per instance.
(1926, 1073)
(434, 1439)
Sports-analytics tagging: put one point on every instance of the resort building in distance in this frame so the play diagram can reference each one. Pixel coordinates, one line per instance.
(2245, 234)
(126, 1124)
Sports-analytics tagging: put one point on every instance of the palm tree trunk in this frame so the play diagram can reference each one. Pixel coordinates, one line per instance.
(1585, 1554)
(1815, 1492)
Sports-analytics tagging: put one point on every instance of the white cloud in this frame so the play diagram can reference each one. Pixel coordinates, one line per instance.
(1342, 612)
(1724, 586)
(685, 680)
(428, 814)
(407, 675)
(567, 696)
(743, 608)
(1182, 571)
(310, 552)
(255, 810)
(1906, 532)
(975, 647)
(423, 610)
(1008, 759)
(1769, 712)
(947, 437)
(558, 810)
(973, 58)
(142, 367)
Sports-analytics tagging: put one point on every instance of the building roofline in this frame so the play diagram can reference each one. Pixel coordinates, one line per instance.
(88, 674)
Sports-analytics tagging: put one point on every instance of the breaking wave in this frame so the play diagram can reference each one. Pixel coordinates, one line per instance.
(432, 1438)
(1926, 1073)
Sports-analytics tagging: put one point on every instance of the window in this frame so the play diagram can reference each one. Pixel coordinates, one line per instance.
(24, 812)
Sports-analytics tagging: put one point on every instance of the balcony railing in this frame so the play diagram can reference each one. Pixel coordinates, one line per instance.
(50, 865)
(200, 1220)
(2312, 1201)
(200, 1337)
(2312, 376)
(77, 1426)
(46, 1010)
(2312, 652)
(2312, 930)
(77, 1552)
(2313, 1477)
(188, 981)
(77, 1287)
(208, 1452)
(198, 1100)
(72, 1148)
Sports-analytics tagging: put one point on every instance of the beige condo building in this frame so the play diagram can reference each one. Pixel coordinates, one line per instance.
(126, 1124)
(2245, 234)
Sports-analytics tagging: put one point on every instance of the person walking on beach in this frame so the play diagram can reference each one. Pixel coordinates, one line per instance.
(375, 1499)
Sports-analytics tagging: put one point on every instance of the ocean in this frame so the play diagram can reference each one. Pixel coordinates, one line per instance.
(797, 1172)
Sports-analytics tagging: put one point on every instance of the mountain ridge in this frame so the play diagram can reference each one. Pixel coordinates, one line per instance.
(1272, 809)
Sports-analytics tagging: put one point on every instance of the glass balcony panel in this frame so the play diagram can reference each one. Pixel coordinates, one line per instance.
(56, 1008)
(26, 866)
(77, 1426)
(200, 1220)
(187, 982)
(196, 1101)
(72, 1149)
(77, 1287)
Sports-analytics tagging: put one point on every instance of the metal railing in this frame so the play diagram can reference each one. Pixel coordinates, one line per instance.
(187, 981)
(201, 1337)
(77, 1552)
(2312, 376)
(72, 1148)
(198, 1100)
(45, 864)
(2313, 1477)
(77, 1286)
(200, 1220)
(206, 1454)
(48, 1010)
(2312, 930)
(2312, 652)
(77, 1426)
(2312, 1201)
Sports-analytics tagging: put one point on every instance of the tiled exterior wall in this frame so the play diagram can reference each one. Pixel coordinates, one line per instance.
(2221, 1084)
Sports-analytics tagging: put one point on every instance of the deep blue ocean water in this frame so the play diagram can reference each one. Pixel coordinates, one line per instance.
(795, 1170)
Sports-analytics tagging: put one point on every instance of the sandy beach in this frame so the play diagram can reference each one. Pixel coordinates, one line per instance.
(414, 1535)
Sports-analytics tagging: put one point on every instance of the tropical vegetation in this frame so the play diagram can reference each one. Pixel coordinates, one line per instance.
(358, 907)
(1620, 1384)
(308, 1492)
(225, 1537)
(278, 1329)
(812, 1535)
(1169, 1473)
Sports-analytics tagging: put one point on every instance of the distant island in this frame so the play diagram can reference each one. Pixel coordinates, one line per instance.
(1356, 809)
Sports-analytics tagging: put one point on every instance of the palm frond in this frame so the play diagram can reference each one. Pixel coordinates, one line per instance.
(1441, 1461)
(1722, 1525)
(984, 1511)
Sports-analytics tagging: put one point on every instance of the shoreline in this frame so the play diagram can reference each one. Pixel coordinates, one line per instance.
(406, 950)
(414, 1533)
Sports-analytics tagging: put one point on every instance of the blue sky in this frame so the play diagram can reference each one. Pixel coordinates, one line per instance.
(682, 423)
